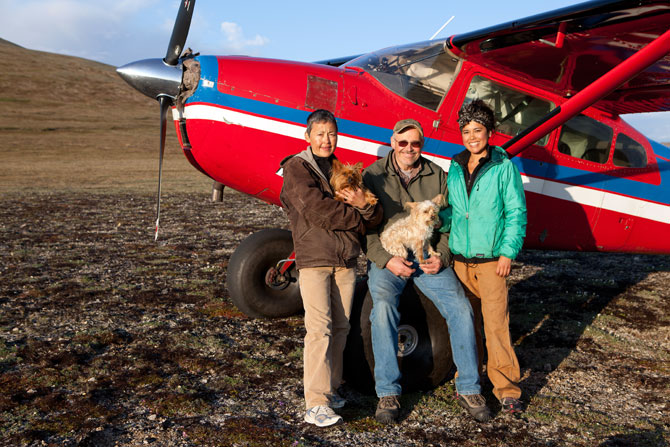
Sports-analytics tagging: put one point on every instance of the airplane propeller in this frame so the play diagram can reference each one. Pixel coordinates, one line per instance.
(179, 32)
(161, 79)
(165, 102)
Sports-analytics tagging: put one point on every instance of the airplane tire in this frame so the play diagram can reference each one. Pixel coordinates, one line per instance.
(358, 373)
(247, 276)
(424, 356)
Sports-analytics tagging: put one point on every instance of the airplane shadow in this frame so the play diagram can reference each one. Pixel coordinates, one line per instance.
(654, 437)
(550, 309)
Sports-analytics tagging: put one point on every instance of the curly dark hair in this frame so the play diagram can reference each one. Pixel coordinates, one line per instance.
(479, 112)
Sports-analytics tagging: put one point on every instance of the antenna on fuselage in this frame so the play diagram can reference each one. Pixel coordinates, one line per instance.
(443, 26)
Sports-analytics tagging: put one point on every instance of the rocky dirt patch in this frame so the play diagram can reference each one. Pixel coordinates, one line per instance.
(108, 338)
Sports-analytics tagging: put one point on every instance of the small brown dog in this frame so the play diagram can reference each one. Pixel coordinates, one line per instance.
(414, 231)
(349, 177)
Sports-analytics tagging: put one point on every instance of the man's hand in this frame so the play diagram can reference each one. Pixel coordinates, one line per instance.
(504, 267)
(431, 265)
(353, 197)
(400, 266)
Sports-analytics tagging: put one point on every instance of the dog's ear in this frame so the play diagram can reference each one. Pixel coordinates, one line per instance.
(336, 165)
(359, 166)
(409, 206)
(438, 200)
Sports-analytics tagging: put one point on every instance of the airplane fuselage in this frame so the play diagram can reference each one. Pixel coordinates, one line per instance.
(247, 114)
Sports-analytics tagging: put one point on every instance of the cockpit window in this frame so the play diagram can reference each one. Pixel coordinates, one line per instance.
(514, 110)
(420, 72)
(585, 138)
(628, 153)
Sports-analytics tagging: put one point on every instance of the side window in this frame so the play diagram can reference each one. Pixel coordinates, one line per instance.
(628, 153)
(515, 111)
(585, 138)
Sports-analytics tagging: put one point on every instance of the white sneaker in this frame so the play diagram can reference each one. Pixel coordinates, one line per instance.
(322, 416)
(336, 401)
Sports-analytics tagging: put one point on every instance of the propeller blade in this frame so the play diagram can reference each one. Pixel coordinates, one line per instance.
(180, 31)
(164, 102)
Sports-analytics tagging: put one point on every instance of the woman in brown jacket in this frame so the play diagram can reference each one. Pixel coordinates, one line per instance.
(326, 242)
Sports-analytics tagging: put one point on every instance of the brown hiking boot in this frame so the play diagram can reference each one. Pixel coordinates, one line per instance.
(476, 406)
(388, 410)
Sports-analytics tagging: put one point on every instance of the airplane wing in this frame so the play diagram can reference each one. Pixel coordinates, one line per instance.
(567, 49)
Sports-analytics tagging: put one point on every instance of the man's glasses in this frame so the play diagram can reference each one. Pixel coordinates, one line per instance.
(404, 143)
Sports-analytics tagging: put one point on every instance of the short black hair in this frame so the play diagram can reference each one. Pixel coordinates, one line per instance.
(479, 112)
(320, 116)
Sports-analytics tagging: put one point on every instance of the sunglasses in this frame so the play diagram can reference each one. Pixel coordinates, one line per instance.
(404, 143)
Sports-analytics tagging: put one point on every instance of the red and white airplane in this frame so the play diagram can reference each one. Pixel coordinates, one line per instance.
(557, 82)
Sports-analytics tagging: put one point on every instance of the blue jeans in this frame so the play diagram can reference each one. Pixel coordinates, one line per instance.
(445, 291)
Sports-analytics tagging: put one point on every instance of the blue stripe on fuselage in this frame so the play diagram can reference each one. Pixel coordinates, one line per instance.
(210, 69)
(659, 149)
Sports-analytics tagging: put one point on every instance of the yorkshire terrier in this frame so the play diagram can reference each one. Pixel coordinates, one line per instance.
(349, 177)
(414, 231)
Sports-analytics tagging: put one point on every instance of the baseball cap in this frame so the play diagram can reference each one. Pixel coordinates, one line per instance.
(403, 125)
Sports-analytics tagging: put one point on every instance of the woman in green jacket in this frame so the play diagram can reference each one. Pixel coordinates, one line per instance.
(487, 216)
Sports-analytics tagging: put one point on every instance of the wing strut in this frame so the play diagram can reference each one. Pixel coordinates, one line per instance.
(600, 88)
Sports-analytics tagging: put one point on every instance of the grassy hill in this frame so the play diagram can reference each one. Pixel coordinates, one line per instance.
(70, 124)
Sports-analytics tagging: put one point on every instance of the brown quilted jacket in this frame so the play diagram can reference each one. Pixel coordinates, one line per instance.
(326, 232)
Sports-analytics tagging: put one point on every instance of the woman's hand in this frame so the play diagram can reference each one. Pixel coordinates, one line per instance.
(353, 197)
(504, 267)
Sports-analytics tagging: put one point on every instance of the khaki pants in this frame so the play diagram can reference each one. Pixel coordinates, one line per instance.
(327, 296)
(490, 304)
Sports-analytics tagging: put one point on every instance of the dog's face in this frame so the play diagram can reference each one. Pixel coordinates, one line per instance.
(425, 212)
(346, 176)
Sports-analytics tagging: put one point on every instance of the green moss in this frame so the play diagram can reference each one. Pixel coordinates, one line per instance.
(603, 336)
(144, 380)
(178, 405)
(256, 366)
(248, 432)
(221, 308)
(297, 353)
(8, 355)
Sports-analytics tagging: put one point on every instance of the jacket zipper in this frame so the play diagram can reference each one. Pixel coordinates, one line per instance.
(480, 174)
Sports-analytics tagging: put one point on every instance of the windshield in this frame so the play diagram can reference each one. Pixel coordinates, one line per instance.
(421, 72)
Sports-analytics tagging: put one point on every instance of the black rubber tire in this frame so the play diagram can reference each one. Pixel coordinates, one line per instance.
(246, 276)
(427, 366)
(357, 373)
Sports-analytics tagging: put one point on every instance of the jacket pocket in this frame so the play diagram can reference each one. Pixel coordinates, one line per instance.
(304, 232)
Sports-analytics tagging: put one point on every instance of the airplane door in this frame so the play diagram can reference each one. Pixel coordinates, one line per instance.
(630, 168)
(575, 185)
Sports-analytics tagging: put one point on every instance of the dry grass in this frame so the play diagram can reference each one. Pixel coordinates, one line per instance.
(70, 124)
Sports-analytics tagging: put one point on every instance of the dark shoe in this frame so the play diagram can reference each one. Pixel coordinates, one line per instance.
(336, 401)
(511, 405)
(476, 406)
(388, 410)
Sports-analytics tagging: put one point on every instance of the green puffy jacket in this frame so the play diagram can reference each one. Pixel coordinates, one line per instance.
(492, 221)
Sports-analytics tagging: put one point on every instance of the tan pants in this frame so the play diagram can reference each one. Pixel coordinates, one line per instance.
(490, 304)
(327, 296)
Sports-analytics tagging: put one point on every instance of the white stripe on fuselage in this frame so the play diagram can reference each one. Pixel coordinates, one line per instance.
(584, 196)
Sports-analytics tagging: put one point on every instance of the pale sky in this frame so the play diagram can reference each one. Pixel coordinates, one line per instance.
(121, 31)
